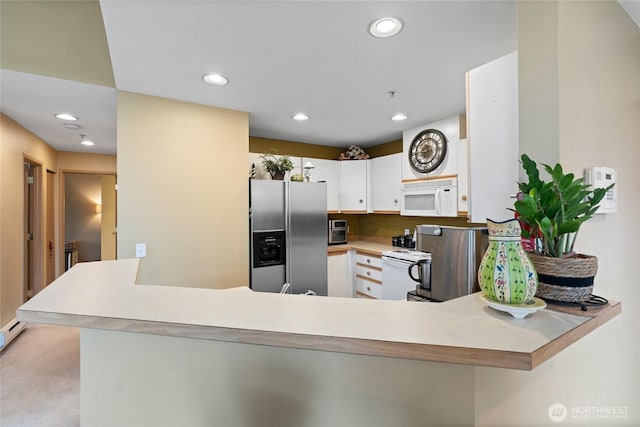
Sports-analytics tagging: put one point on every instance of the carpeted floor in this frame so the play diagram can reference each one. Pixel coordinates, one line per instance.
(40, 378)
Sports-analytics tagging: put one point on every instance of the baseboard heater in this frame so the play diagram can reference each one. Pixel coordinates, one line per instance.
(10, 331)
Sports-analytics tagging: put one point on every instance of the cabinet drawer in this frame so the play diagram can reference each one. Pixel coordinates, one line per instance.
(369, 273)
(369, 260)
(369, 288)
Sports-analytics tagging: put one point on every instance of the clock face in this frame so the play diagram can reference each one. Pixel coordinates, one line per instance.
(427, 150)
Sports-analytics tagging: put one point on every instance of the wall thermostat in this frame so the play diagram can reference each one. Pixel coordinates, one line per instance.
(602, 177)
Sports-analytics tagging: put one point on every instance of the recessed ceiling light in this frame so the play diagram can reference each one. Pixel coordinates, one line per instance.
(72, 126)
(85, 141)
(300, 117)
(385, 27)
(215, 79)
(66, 116)
(399, 117)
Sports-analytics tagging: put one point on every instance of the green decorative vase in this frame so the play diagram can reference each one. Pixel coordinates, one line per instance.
(506, 274)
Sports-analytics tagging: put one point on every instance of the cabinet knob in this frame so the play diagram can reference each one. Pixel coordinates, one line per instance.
(360, 200)
(368, 261)
(368, 273)
(464, 198)
(395, 201)
(369, 288)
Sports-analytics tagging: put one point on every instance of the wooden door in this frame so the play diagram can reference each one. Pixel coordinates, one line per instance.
(108, 228)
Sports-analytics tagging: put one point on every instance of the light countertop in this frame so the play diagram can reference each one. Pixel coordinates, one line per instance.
(372, 248)
(104, 295)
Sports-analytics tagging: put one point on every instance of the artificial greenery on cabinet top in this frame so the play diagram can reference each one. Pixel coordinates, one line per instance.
(276, 164)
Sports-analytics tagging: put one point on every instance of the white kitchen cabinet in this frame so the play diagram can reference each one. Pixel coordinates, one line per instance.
(328, 171)
(386, 183)
(353, 186)
(339, 278)
(492, 134)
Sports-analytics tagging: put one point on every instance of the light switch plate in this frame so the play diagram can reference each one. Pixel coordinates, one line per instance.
(141, 250)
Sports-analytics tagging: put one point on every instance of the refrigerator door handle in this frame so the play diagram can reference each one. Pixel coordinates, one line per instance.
(287, 239)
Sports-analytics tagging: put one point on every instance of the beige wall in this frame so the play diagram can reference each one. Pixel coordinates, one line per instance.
(191, 382)
(598, 68)
(86, 163)
(183, 190)
(16, 143)
(538, 79)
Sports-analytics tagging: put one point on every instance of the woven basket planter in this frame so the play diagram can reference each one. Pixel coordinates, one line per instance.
(568, 279)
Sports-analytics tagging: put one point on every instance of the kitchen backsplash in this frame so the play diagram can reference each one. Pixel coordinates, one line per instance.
(381, 227)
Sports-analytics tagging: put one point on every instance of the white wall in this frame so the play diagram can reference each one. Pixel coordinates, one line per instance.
(598, 68)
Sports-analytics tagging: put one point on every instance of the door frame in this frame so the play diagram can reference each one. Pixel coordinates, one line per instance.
(33, 259)
(50, 240)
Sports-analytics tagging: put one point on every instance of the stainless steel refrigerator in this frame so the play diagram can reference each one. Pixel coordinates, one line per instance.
(288, 236)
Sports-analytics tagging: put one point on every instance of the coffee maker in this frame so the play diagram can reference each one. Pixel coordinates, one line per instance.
(423, 267)
(452, 269)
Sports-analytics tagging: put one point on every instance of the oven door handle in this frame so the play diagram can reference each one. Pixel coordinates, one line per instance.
(438, 197)
(395, 262)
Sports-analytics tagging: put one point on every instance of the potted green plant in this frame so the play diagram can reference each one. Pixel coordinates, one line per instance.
(552, 213)
(276, 165)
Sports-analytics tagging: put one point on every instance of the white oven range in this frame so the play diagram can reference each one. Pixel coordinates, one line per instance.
(395, 272)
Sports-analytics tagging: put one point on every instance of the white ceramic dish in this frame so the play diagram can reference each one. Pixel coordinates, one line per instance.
(519, 311)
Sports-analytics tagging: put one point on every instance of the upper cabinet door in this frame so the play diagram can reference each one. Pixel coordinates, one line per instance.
(386, 183)
(328, 171)
(353, 186)
(492, 133)
(463, 178)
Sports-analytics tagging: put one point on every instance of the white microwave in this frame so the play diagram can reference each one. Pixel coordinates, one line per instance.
(433, 197)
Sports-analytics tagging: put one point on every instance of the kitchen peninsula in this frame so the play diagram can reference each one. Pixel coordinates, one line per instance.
(161, 355)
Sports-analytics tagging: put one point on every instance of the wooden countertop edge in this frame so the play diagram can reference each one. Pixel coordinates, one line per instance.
(342, 250)
(368, 347)
(337, 251)
(403, 350)
(368, 251)
(554, 347)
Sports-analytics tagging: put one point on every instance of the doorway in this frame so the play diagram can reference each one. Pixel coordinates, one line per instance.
(89, 217)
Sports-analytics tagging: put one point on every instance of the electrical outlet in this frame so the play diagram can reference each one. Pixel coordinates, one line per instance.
(141, 250)
(406, 231)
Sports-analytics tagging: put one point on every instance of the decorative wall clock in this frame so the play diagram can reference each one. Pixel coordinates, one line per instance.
(427, 150)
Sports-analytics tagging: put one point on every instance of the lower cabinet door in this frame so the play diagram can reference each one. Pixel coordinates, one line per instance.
(339, 280)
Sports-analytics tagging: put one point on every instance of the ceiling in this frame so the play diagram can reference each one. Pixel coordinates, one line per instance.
(280, 58)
